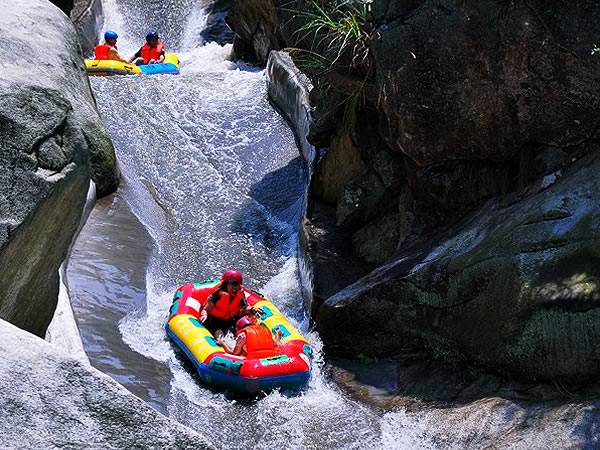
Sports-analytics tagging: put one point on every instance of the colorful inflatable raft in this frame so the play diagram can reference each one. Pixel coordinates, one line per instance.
(110, 67)
(288, 370)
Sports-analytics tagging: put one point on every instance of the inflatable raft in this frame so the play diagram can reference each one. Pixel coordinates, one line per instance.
(110, 67)
(289, 370)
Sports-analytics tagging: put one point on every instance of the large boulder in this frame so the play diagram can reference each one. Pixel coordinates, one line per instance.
(51, 139)
(516, 289)
(256, 27)
(49, 400)
(461, 105)
(88, 17)
(485, 80)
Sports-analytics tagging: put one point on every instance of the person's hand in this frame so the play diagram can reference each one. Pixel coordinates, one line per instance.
(203, 316)
(255, 311)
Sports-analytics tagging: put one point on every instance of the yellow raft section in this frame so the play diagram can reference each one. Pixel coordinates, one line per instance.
(201, 343)
(110, 67)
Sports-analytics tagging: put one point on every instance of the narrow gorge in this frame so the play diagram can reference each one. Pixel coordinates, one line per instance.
(413, 183)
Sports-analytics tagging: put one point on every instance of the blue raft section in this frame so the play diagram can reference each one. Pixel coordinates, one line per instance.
(155, 69)
(237, 383)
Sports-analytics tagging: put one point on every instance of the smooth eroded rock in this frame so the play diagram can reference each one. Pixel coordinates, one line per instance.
(517, 289)
(51, 139)
(255, 24)
(88, 17)
(49, 400)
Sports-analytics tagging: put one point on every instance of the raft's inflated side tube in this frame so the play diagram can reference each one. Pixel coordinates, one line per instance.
(110, 67)
(170, 65)
(290, 369)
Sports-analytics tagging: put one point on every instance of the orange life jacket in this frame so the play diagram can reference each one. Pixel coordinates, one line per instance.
(101, 51)
(259, 342)
(147, 52)
(225, 308)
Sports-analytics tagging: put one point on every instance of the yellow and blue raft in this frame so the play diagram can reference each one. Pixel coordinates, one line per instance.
(105, 67)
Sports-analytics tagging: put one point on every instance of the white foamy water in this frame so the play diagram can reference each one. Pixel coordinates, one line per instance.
(214, 175)
(214, 180)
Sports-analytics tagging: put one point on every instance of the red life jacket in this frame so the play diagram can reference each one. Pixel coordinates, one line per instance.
(224, 308)
(147, 52)
(259, 342)
(101, 51)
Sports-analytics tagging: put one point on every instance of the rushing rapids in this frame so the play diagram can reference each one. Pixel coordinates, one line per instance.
(212, 180)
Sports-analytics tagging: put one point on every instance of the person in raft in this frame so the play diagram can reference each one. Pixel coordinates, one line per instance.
(252, 340)
(152, 52)
(108, 50)
(226, 304)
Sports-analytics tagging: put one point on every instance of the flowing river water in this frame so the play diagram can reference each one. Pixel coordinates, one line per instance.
(213, 179)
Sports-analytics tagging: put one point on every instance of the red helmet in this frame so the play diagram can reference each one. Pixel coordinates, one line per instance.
(232, 275)
(243, 322)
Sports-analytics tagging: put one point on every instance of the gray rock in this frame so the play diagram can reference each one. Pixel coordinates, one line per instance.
(289, 90)
(340, 166)
(480, 81)
(256, 27)
(378, 240)
(362, 199)
(51, 138)
(216, 30)
(88, 17)
(49, 400)
(516, 290)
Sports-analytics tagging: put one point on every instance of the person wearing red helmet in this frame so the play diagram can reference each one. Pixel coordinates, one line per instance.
(252, 340)
(226, 304)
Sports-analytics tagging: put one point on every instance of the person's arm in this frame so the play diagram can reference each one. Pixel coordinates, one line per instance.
(206, 308)
(239, 345)
(245, 308)
(115, 55)
(137, 55)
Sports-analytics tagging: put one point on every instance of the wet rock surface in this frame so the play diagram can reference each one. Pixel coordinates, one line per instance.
(467, 176)
(255, 25)
(216, 29)
(52, 140)
(448, 408)
(49, 400)
(88, 17)
(515, 289)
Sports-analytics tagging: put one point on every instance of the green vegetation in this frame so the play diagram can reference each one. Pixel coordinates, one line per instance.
(337, 28)
(334, 35)
(595, 50)
(332, 39)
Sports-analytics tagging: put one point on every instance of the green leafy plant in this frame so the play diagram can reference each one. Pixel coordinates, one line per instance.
(332, 38)
(596, 50)
(334, 30)
(336, 27)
